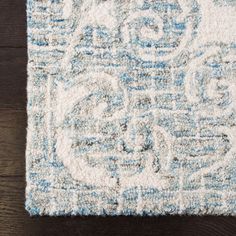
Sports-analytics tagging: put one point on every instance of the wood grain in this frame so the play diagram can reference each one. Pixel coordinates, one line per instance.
(13, 23)
(13, 77)
(12, 142)
(14, 220)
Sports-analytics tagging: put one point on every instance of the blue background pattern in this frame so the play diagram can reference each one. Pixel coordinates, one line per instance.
(169, 116)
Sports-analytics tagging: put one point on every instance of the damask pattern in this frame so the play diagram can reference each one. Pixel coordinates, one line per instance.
(131, 107)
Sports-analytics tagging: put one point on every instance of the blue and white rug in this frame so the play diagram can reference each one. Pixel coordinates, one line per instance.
(131, 107)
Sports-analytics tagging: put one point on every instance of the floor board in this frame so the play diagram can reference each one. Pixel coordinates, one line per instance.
(13, 78)
(12, 141)
(13, 23)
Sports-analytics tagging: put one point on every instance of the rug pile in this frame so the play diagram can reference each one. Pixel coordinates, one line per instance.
(131, 107)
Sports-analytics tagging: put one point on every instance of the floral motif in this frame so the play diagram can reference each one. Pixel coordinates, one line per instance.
(131, 107)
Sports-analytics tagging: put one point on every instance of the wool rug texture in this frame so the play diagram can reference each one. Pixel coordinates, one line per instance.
(131, 107)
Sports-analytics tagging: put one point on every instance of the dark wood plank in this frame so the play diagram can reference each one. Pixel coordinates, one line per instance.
(16, 221)
(13, 23)
(13, 77)
(12, 142)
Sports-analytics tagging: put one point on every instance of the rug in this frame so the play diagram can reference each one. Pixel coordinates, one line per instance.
(131, 107)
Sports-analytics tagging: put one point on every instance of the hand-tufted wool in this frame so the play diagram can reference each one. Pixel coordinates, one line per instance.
(131, 107)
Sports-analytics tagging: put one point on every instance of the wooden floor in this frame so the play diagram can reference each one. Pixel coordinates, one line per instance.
(14, 220)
